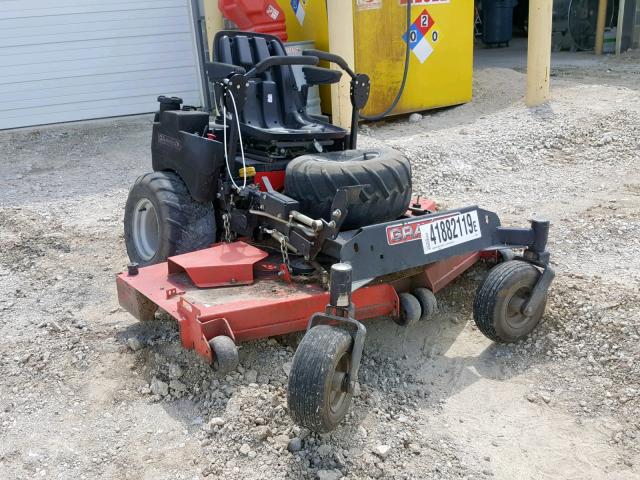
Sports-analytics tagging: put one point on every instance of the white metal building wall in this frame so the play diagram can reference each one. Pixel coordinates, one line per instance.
(64, 60)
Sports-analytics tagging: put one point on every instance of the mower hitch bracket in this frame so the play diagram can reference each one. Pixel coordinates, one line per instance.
(344, 197)
(310, 247)
(533, 238)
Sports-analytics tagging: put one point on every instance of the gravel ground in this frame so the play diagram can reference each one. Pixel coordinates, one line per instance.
(86, 392)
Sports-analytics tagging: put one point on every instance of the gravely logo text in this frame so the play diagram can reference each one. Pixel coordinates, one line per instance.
(408, 231)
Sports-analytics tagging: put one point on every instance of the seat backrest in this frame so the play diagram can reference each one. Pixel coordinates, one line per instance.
(273, 99)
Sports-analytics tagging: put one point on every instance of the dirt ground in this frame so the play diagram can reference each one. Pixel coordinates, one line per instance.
(86, 392)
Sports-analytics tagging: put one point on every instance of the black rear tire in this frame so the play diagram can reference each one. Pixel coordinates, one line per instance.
(314, 179)
(181, 224)
(321, 360)
(499, 298)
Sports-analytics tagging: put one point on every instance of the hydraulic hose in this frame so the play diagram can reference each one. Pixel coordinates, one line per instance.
(405, 74)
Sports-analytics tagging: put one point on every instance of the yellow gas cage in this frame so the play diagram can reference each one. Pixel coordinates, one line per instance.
(440, 38)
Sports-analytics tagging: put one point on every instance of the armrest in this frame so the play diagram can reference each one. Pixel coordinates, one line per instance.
(332, 58)
(218, 71)
(277, 61)
(320, 76)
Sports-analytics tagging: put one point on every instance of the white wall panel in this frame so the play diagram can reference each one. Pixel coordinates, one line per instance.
(79, 59)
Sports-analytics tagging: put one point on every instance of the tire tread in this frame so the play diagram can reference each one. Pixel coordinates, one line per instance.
(313, 181)
(313, 358)
(487, 295)
(186, 225)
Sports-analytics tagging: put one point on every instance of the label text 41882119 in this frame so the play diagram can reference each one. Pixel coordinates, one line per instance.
(450, 230)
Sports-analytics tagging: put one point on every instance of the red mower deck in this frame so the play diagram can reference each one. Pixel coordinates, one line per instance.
(259, 305)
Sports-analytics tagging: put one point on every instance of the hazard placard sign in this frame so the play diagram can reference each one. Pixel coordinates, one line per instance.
(298, 7)
(418, 36)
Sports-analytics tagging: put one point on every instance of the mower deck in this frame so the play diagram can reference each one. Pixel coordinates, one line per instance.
(264, 308)
(258, 306)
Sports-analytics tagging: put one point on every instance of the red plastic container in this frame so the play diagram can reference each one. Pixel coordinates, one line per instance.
(262, 16)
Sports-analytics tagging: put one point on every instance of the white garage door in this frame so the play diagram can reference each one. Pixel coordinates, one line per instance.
(67, 60)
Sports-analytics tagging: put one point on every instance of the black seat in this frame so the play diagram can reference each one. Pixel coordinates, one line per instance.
(275, 109)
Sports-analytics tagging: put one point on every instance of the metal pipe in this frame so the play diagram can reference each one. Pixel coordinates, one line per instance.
(268, 215)
(619, 26)
(306, 231)
(316, 225)
(278, 237)
(340, 285)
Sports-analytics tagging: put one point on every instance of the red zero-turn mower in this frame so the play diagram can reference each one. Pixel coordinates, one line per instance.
(267, 221)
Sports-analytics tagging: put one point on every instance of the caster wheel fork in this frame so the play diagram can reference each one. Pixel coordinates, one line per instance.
(325, 366)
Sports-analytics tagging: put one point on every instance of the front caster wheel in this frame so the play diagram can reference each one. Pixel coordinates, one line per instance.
(317, 395)
(499, 301)
(225, 354)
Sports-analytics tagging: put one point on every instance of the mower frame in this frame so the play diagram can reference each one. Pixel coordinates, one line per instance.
(240, 289)
(247, 295)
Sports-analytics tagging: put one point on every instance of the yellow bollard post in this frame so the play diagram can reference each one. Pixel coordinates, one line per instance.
(213, 20)
(602, 12)
(539, 51)
(340, 20)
